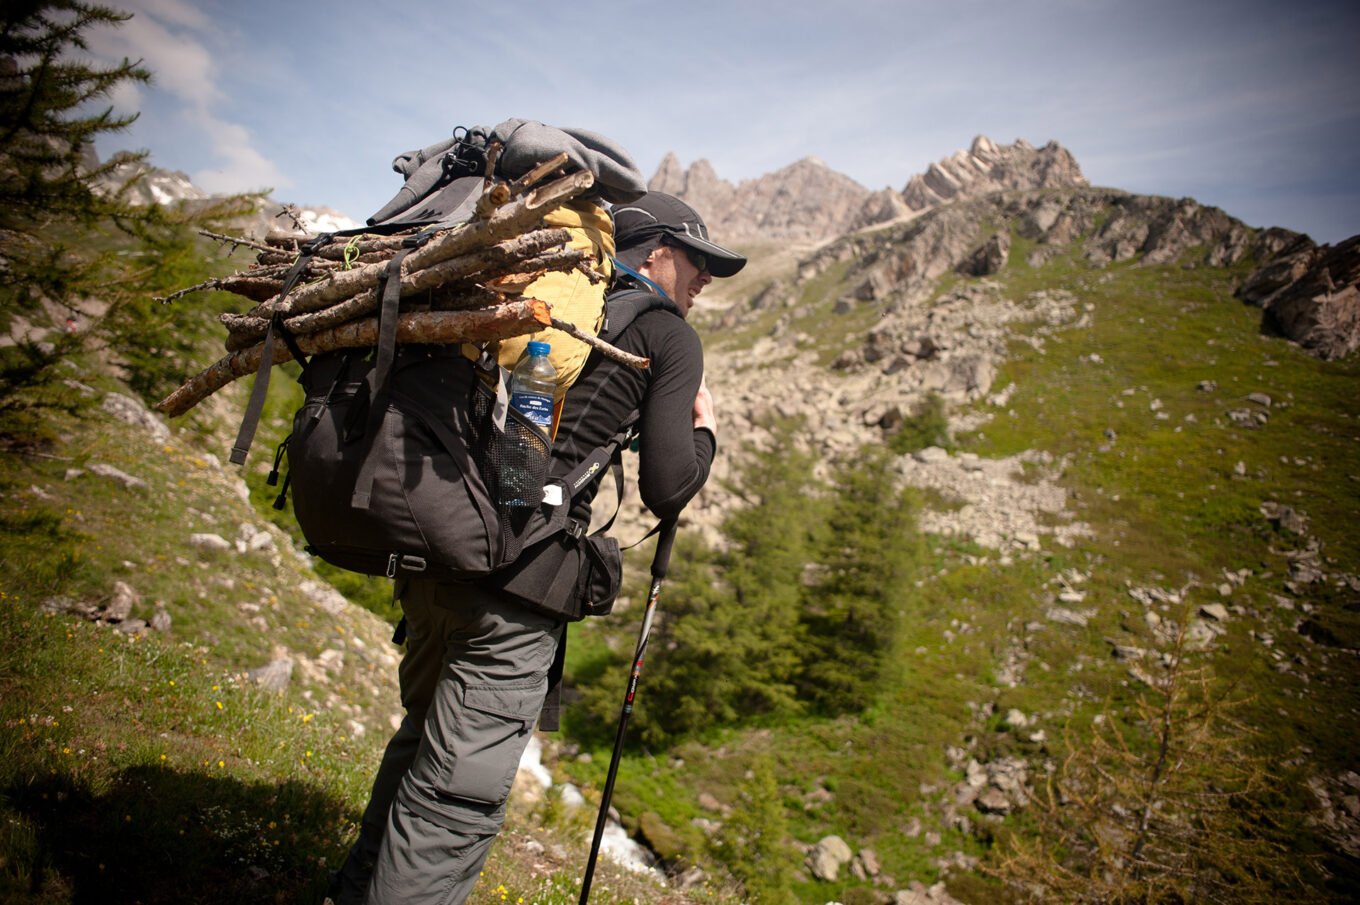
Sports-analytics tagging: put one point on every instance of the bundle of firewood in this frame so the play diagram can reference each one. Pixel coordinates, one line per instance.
(462, 284)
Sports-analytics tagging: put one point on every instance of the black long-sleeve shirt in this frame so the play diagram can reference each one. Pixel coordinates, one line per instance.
(674, 456)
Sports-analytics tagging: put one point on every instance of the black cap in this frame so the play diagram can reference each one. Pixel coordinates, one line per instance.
(657, 214)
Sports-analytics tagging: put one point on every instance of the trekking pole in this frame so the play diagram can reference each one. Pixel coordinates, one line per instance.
(660, 560)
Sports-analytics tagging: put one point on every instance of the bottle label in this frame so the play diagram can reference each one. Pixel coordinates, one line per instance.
(534, 406)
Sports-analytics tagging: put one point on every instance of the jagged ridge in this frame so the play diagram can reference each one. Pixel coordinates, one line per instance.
(808, 201)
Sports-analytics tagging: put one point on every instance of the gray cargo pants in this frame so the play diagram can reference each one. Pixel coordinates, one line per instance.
(473, 680)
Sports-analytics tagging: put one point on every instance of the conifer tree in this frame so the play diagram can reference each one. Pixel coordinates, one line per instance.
(52, 108)
(71, 242)
(849, 623)
(1163, 804)
(753, 841)
(53, 104)
(726, 639)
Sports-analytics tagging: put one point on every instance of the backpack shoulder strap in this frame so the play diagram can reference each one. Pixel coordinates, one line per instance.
(624, 306)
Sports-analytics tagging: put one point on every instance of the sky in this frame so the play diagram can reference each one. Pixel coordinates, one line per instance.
(1250, 106)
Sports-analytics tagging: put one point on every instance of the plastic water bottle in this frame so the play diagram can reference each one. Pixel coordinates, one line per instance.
(532, 385)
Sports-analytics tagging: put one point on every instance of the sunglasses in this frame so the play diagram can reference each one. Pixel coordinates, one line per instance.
(698, 259)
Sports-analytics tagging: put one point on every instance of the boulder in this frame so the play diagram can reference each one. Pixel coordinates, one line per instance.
(132, 411)
(116, 474)
(274, 675)
(989, 258)
(660, 838)
(827, 858)
(1320, 308)
(208, 541)
(121, 602)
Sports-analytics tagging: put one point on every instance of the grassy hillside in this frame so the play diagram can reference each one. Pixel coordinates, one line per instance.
(1152, 411)
(151, 765)
(1197, 616)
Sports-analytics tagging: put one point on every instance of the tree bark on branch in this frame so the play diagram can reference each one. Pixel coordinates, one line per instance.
(446, 327)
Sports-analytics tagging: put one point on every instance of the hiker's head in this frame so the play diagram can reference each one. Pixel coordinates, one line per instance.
(665, 240)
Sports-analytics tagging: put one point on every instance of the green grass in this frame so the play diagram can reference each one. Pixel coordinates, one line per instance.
(120, 771)
(1168, 506)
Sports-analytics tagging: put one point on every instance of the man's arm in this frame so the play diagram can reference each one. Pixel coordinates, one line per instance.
(678, 424)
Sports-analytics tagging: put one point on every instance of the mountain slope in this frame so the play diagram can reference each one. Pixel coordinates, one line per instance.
(1131, 475)
(1129, 456)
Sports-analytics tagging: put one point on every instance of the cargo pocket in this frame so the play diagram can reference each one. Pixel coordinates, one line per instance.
(491, 730)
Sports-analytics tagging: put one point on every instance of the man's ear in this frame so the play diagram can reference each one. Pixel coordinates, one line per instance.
(652, 255)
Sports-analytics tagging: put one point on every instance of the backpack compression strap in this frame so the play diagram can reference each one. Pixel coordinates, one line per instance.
(378, 385)
(250, 421)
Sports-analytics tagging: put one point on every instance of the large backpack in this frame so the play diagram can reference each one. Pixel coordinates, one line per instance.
(422, 487)
(402, 458)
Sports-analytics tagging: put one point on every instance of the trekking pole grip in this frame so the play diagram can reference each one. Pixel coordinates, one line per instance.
(666, 538)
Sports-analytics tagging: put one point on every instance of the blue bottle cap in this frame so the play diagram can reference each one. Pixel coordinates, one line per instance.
(539, 348)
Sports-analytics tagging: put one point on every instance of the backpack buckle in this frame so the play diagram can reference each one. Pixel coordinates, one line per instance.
(405, 562)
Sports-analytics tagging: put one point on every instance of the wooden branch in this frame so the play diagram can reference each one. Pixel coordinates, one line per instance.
(525, 182)
(513, 219)
(444, 327)
(236, 241)
(294, 213)
(520, 252)
(609, 351)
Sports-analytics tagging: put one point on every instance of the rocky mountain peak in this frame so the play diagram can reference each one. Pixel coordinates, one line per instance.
(804, 201)
(147, 184)
(988, 167)
(808, 201)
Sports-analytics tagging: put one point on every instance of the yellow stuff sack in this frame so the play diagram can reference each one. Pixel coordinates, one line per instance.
(573, 296)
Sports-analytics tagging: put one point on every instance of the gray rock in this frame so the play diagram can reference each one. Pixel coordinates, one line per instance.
(132, 626)
(931, 455)
(993, 801)
(132, 411)
(1200, 635)
(1064, 616)
(114, 474)
(827, 858)
(570, 797)
(1320, 307)
(324, 596)
(1216, 611)
(121, 602)
(709, 802)
(206, 541)
(989, 258)
(1285, 517)
(274, 675)
(1260, 399)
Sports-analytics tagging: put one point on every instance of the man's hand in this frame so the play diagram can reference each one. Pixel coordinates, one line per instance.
(704, 416)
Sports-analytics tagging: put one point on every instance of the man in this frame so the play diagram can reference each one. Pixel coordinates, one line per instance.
(475, 673)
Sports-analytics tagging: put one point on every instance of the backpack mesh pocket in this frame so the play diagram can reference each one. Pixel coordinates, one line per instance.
(513, 461)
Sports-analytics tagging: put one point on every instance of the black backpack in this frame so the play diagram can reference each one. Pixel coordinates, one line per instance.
(419, 483)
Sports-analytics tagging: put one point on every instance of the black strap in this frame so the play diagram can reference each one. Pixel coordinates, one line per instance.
(550, 716)
(255, 408)
(378, 384)
(623, 306)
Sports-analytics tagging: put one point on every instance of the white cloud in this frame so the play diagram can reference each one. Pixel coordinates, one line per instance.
(244, 169)
(173, 39)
